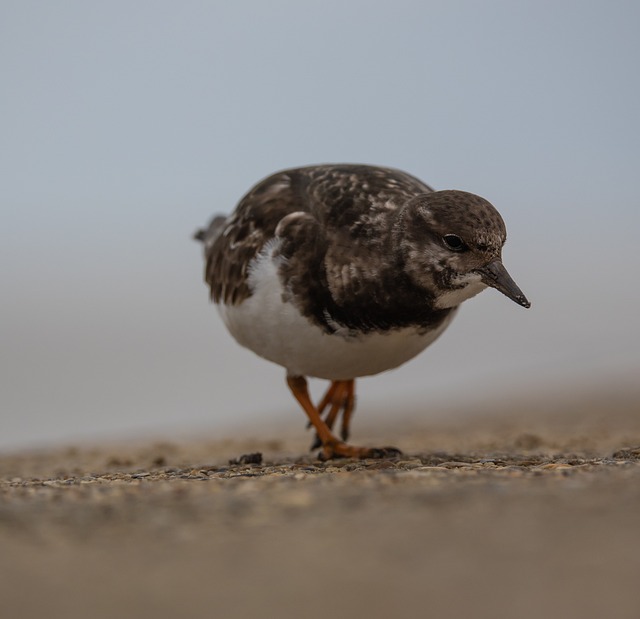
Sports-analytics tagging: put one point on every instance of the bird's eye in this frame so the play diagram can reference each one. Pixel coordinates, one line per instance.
(454, 242)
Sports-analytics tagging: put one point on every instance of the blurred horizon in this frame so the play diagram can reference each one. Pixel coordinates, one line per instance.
(127, 126)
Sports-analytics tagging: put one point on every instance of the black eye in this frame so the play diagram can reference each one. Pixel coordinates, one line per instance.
(454, 242)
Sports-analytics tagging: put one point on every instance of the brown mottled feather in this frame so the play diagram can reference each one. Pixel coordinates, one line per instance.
(347, 203)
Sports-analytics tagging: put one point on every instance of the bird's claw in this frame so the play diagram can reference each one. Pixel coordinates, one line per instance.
(342, 450)
(316, 443)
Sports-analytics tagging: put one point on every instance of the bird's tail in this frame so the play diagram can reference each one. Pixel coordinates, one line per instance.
(209, 234)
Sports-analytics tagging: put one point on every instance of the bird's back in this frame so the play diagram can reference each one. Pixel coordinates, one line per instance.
(344, 197)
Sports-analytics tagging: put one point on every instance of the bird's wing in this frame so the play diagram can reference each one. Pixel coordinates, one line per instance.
(231, 244)
(360, 206)
(344, 205)
(339, 261)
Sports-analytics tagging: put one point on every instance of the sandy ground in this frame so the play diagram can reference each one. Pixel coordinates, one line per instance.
(520, 512)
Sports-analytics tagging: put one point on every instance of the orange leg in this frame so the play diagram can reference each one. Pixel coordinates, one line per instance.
(349, 407)
(328, 396)
(337, 396)
(332, 447)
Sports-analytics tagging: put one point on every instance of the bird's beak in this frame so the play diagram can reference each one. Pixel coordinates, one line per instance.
(495, 275)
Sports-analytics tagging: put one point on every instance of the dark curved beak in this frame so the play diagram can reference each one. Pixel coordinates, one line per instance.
(495, 275)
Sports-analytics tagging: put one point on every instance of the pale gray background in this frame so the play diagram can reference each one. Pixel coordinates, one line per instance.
(125, 125)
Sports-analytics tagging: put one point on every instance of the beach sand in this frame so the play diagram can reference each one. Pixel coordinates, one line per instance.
(521, 511)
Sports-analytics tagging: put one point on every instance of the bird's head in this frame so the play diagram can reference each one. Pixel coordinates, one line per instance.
(450, 243)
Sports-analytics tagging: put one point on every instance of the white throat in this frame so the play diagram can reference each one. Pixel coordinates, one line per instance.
(471, 286)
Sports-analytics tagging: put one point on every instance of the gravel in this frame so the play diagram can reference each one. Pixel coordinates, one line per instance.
(503, 514)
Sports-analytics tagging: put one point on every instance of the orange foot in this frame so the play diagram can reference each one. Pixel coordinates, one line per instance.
(342, 450)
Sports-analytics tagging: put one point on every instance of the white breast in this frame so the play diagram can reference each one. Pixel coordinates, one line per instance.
(278, 332)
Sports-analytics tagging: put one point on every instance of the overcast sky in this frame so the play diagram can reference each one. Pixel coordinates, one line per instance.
(126, 125)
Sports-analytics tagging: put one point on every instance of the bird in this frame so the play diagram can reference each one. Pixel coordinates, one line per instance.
(340, 271)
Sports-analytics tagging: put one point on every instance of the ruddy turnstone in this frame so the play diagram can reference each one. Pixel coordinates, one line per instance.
(342, 271)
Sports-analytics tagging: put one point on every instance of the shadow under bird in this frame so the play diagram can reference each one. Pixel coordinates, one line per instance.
(342, 271)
